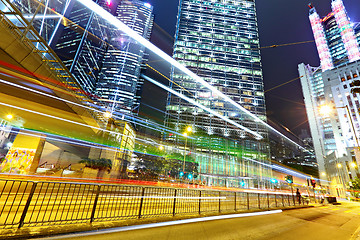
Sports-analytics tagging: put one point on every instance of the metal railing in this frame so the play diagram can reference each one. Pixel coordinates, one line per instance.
(28, 203)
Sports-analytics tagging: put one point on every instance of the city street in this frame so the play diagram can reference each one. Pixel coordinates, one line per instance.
(322, 222)
(179, 120)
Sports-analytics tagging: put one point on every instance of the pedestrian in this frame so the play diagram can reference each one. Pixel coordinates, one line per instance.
(298, 195)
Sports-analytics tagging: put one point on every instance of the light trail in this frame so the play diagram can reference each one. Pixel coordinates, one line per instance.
(202, 106)
(161, 224)
(163, 197)
(283, 169)
(48, 16)
(91, 108)
(61, 17)
(113, 149)
(131, 33)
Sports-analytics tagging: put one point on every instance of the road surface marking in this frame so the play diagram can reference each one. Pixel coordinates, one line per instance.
(161, 224)
(335, 209)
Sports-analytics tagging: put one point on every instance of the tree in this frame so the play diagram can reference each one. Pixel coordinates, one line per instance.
(175, 161)
(101, 165)
(355, 187)
(150, 163)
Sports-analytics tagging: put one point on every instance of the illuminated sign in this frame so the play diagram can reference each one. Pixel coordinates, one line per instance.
(346, 31)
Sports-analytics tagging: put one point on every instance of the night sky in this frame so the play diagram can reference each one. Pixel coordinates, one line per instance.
(280, 22)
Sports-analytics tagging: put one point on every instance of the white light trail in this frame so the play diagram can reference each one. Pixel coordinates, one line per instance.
(70, 121)
(282, 169)
(164, 197)
(48, 16)
(161, 224)
(202, 106)
(138, 121)
(61, 16)
(131, 33)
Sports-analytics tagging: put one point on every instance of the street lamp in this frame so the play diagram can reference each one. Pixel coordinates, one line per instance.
(185, 134)
(9, 116)
(107, 114)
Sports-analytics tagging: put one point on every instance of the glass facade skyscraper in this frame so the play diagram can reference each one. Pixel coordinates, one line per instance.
(81, 44)
(103, 60)
(218, 40)
(120, 80)
(337, 39)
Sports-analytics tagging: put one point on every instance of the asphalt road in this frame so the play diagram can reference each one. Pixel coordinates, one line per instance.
(322, 222)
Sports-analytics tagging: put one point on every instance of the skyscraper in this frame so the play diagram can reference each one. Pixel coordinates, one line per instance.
(81, 44)
(335, 36)
(337, 41)
(103, 60)
(123, 60)
(218, 40)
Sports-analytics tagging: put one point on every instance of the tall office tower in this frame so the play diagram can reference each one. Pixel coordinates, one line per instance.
(218, 41)
(319, 34)
(120, 82)
(346, 30)
(320, 126)
(329, 85)
(103, 60)
(335, 36)
(81, 44)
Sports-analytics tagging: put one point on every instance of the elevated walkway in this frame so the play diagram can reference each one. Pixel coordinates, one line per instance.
(31, 58)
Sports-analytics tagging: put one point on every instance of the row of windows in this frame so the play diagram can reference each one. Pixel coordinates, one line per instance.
(213, 35)
(214, 47)
(221, 68)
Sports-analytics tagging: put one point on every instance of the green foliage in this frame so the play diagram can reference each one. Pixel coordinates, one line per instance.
(355, 187)
(100, 164)
(154, 163)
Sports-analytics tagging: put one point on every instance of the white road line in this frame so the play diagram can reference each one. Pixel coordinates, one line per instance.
(161, 224)
(161, 197)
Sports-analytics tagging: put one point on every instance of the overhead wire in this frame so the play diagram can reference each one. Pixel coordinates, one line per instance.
(147, 44)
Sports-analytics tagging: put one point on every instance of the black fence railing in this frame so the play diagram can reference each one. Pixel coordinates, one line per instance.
(28, 203)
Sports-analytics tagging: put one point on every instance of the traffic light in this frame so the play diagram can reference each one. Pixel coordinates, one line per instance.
(181, 174)
(355, 86)
(289, 178)
(313, 183)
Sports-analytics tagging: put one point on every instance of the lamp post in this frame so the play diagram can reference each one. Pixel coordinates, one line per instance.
(338, 167)
(185, 134)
